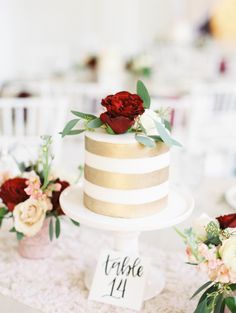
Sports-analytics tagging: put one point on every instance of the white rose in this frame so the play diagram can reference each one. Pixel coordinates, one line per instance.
(147, 119)
(30, 215)
(200, 224)
(228, 255)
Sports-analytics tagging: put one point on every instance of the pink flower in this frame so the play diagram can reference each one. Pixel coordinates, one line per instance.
(33, 190)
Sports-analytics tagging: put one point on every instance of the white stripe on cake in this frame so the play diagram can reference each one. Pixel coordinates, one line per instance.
(127, 166)
(137, 196)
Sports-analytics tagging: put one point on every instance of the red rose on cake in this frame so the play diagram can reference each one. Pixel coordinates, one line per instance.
(12, 192)
(122, 110)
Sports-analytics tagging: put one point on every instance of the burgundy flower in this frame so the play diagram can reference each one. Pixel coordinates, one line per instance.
(226, 221)
(56, 196)
(122, 109)
(12, 192)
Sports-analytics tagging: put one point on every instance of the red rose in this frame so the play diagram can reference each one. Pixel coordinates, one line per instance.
(12, 192)
(122, 109)
(227, 221)
(56, 196)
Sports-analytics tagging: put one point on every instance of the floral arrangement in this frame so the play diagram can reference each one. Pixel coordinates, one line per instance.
(211, 247)
(141, 65)
(126, 112)
(33, 196)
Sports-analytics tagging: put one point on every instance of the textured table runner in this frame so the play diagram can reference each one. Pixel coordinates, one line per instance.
(56, 285)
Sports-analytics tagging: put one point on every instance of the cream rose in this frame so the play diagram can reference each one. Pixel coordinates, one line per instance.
(228, 255)
(30, 215)
(200, 224)
(147, 119)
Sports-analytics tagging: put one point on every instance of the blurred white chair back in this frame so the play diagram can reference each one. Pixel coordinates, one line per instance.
(24, 120)
(212, 122)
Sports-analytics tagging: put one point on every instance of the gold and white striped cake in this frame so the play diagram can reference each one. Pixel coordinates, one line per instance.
(123, 178)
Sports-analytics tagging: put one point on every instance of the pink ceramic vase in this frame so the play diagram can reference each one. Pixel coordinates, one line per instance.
(37, 247)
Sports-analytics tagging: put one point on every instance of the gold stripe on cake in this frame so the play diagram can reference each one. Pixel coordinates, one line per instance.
(123, 151)
(125, 181)
(124, 210)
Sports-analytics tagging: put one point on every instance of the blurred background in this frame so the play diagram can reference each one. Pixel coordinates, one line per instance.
(58, 55)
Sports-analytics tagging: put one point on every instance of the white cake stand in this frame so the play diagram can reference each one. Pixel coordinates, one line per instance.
(126, 231)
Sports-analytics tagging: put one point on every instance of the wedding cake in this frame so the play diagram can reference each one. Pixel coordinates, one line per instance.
(126, 169)
(123, 178)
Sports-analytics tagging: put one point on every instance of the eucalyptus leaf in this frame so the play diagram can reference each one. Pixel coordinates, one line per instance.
(143, 94)
(201, 289)
(58, 227)
(19, 236)
(71, 124)
(75, 223)
(109, 130)
(231, 303)
(95, 123)
(167, 124)
(12, 230)
(156, 138)
(75, 132)
(165, 135)
(51, 229)
(145, 140)
(84, 116)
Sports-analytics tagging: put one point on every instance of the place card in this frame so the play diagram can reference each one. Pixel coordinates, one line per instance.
(120, 279)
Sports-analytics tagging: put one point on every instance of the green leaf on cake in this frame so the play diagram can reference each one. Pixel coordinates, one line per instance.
(84, 116)
(145, 140)
(109, 130)
(58, 227)
(167, 125)
(51, 229)
(75, 132)
(156, 138)
(231, 303)
(165, 135)
(71, 124)
(143, 94)
(95, 123)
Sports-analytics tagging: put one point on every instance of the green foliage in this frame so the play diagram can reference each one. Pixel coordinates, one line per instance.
(145, 140)
(231, 303)
(75, 132)
(167, 124)
(51, 229)
(144, 95)
(75, 223)
(165, 135)
(19, 235)
(46, 160)
(109, 130)
(201, 289)
(84, 116)
(94, 123)
(58, 227)
(213, 234)
(69, 126)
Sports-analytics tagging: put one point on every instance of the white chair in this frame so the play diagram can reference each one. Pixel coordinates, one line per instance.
(212, 124)
(24, 120)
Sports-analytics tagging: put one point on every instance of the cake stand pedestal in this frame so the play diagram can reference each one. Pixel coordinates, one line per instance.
(126, 231)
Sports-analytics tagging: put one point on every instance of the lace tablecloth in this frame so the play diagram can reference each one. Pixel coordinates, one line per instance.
(56, 285)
